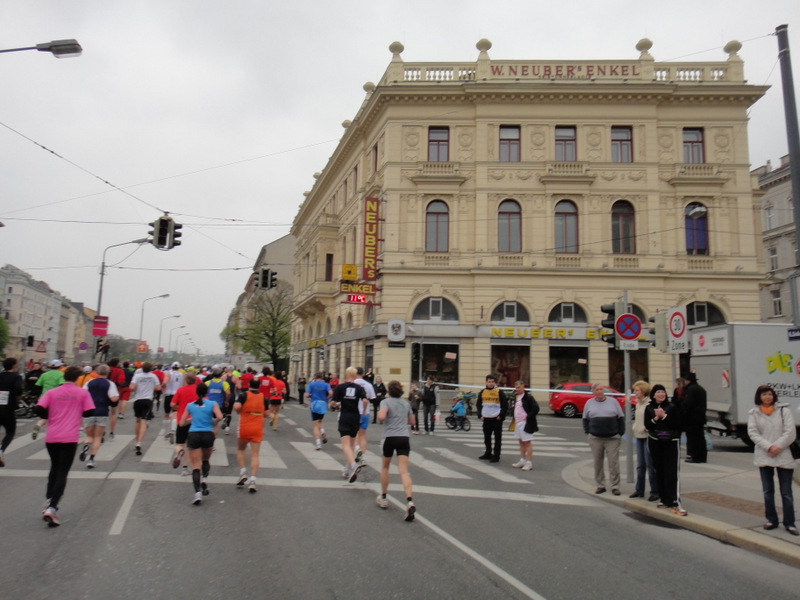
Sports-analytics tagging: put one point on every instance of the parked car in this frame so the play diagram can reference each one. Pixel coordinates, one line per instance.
(569, 398)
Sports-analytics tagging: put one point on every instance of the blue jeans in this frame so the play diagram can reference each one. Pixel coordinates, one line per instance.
(644, 464)
(768, 485)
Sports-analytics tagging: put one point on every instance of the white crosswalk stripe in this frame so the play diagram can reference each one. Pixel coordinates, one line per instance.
(477, 465)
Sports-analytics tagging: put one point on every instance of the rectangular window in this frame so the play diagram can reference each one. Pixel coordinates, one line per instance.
(773, 259)
(10, 290)
(769, 213)
(329, 267)
(355, 178)
(438, 144)
(344, 189)
(436, 308)
(567, 312)
(510, 311)
(777, 307)
(509, 143)
(375, 158)
(565, 144)
(621, 144)
(693, 146)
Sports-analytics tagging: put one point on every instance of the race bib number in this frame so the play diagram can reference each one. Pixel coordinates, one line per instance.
(4, 398)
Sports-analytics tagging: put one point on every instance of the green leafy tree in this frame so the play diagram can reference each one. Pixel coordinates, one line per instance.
(4, 335)
(267, 335)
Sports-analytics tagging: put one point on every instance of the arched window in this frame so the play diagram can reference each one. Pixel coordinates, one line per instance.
(699, 314)
(437, 224)
(567, 312)
(696, 223)
(509, 227)
(566, 224)
(435, 309)
(510, 312)
(623, 228)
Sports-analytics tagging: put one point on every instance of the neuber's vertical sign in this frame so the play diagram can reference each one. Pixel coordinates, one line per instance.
(370, 269)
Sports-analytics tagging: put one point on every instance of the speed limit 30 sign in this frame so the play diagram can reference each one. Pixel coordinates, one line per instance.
(678, 334)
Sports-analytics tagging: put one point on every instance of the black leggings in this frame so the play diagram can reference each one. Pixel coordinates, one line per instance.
(430, 410)
(9, 422)
(61, 457)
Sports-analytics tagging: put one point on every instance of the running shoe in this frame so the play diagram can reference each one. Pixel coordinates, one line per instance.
(198, 498)
(185, 472)
(84, 452)
(227, 431)
(111, 434)
(354, 473)
(103, 439)
(359, 455)
(679, 510)
(324, 438)
(166, 436)
(382, 502)
(35, 432)
(171, 438)
(176, 462)
(252, 487)
(410, 510)
(242, 480)
(528, 466)
(138, 450)
(90, 463)
(204, 487)
(520, 463)
(51, 517)
(121, 417)
(318, 445)
(46, 505)
(346, 473)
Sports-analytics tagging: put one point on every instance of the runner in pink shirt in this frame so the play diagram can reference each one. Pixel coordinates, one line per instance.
(63, 407)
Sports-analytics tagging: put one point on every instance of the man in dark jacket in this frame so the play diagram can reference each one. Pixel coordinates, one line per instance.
(693, 413)
(492, 408)
(10, 392)
(604, 423)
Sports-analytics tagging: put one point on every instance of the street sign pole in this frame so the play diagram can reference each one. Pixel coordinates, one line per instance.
(627, 390)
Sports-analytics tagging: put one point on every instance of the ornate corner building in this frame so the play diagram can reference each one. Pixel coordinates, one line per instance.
(475, 216)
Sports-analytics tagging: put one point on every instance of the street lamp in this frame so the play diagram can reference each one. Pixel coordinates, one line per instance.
(160, 327)
(169, 339)
(177, 346)
(58, 48)
(141, 318)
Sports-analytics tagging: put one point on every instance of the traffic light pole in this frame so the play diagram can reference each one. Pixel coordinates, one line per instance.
(627, 390)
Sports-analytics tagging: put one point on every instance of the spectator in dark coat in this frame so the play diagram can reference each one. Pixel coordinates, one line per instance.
(693, 414)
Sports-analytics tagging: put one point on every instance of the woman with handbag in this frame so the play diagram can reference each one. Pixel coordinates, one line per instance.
(525, 410)
(771, 427)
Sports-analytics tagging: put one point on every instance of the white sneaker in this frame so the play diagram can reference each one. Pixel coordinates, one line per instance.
(51, 517)
(382, 502)
(318, 445)
(528, 466)
(198, 498)
(519, 463)
(90, 464)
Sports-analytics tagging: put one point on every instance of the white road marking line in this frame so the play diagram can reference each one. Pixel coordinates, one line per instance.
(474, 463)
(125, 509)
(418, 460)
(269, 457)
(481, 560)
(318, 458)
(304, 432)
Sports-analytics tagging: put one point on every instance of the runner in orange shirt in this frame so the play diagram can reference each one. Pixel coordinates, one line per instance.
(251, 408)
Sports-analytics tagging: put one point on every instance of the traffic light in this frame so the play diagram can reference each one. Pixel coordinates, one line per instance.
(613, 311)
(272, 279)
(98, 345)
(160, 232)
(174, 234)
(659, 330)
(29, 342)
(264, 277)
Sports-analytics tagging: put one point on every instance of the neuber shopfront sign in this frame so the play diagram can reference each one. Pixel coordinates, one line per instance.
(566, 70)
(549, 333)
(370, 267)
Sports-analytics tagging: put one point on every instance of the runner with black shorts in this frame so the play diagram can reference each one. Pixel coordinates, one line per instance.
(396, 414)
(183, 396)
(351, 399)
(143, 385)
(204, 414)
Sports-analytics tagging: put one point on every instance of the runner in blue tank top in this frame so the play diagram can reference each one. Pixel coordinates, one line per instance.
(204, 416)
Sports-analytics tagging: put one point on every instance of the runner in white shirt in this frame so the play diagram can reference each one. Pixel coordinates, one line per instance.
(172, 381)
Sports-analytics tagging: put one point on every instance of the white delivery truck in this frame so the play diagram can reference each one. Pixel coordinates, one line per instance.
(732, 360)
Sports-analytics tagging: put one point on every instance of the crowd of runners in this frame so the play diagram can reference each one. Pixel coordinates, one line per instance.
(80, 407)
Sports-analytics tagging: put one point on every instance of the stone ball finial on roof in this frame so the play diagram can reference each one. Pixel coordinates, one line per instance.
(396, 48)
(732, 47)
(369, 87)
(346, 123)
(643, 46)
(317, 175)
(306, 193)
(484, 45)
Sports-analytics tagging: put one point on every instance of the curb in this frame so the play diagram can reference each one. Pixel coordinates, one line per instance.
(744, 538)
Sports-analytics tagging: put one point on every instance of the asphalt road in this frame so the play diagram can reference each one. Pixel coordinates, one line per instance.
(482, 531)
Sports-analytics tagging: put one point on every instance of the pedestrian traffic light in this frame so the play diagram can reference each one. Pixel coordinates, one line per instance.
(98, 345)
(610, 321)
(174, 234)
(659, 330)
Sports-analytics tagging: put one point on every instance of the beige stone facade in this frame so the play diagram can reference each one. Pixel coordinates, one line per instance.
(513, 199)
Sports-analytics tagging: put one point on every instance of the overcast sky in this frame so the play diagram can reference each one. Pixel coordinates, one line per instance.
(219, 112)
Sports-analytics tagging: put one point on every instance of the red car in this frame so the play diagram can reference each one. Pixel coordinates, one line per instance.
(569, 398)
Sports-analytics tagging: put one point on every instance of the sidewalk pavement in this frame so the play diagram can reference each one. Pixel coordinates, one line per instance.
(724, 502)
